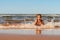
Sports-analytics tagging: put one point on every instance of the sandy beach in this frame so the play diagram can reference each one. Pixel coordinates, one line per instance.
(28, 37)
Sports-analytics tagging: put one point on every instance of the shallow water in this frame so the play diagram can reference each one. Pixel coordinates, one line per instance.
(51, 32)
(30, 31)
(18, 31)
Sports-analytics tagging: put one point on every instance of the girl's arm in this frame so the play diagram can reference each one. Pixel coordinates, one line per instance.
(42, 23)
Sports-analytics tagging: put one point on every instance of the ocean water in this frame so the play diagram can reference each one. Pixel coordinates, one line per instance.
(32, 18)
(18, 31)
(30, 31)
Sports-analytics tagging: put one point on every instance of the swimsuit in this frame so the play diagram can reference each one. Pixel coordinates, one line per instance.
(38, 23)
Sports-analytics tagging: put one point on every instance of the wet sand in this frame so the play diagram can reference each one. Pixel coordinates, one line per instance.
(28, 37)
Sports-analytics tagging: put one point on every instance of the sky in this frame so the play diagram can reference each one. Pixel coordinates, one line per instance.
(29, 6)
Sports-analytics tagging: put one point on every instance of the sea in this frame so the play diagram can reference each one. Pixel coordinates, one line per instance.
(29, 19)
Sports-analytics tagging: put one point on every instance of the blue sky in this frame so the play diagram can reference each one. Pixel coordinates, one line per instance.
(30, 6)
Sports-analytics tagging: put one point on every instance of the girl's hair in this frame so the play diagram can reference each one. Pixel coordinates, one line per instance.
(39, 15)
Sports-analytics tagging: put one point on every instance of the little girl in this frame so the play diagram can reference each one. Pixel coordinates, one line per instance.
(38, 22)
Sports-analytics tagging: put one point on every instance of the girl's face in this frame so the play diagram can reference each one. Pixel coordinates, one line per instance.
(38, 17)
